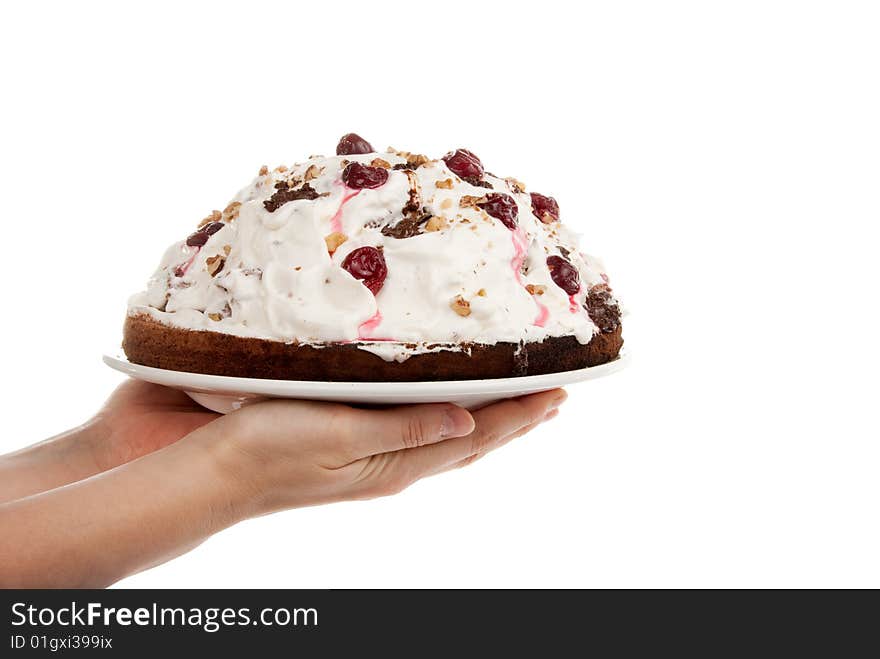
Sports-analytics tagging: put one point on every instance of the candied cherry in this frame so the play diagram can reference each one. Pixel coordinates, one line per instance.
(352, 144)
(464, 164)
(502, 207)
(368, 265)
(197, 239)
(564, 274)
(358, 176)
(545, 208)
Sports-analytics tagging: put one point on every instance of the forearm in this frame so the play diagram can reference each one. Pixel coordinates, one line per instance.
(63, 459)
(97, 531)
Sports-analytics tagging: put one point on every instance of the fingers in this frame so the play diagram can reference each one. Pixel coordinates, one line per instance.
(494, 426)
(405, 427)
(519, 433)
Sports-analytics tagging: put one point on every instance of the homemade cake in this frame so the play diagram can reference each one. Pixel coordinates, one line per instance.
(369, 266)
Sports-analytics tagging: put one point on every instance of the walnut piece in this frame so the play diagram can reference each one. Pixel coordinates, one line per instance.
(482, 292)
(312, 172)
(215, 316)
(436, 223)
(445, 184)
(214, 264)
(230, 213)
(516, 186)
(461, 306)
(334, 240)
(215, 216)
(378, 162)
(414, 160)
(263, 171)
(469, 201)
(536, 289)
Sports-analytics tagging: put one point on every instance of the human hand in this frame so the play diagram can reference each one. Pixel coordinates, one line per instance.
(284, 454)
(141, 417)
(266, 457)
(138, 418)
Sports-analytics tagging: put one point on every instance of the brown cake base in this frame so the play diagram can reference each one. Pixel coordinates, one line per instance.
(151, 343)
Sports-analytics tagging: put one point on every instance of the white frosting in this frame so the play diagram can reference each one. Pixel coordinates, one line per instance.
(280, 282)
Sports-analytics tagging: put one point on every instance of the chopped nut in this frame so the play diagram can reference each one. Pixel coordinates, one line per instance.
(436, 223)
(482, 292)
(446, 204)
(227, 249)
(312, 172)
(516, 186)
(461, 306)
(215, 216)
(281, 168)
(469, 201)
(263, 170)
(378, 162)
(214, 264)
(414, 160)
(445, 184)
(334, 240)
(536, 289)
(230, 213)
(215, 316)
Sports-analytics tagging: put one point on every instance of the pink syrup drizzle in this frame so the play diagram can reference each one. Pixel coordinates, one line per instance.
(366, 327)
(573, 306)
(336, 220)
(543, 314)
(519, 257)
(186, 266)
(519, 252)
(369, 325)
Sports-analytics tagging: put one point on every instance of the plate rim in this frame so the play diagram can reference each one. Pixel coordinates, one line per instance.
(230, 383)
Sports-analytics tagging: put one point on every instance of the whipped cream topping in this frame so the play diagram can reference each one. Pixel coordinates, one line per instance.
(271, 265)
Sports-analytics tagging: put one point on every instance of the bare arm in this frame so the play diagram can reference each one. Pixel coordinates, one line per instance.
(264, 458)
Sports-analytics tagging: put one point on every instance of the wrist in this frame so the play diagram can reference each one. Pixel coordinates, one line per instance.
(231, 470)
(63, 459)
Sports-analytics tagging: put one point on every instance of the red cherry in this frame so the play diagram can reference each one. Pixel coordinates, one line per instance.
(564, 274)
(502, 207)
(353, 143)
(545, 208)
(197, 239)
(368, 265)
(464, 164)
(358, 176)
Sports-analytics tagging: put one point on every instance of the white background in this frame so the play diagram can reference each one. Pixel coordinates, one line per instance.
(722, 158)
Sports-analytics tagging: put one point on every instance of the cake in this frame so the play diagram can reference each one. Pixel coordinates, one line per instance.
(368, 266)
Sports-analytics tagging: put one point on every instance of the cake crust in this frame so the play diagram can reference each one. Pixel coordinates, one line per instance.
(149, 342)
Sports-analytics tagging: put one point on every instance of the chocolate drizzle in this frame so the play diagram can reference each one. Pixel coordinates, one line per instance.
(602, 308)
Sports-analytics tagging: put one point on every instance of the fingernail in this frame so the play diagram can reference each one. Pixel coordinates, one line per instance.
(559, 400)
(455, 422)
(550, 415)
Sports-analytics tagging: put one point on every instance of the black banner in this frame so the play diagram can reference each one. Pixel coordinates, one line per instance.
(133, 623)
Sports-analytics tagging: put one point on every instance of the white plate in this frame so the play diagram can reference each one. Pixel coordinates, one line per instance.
(224, 394)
